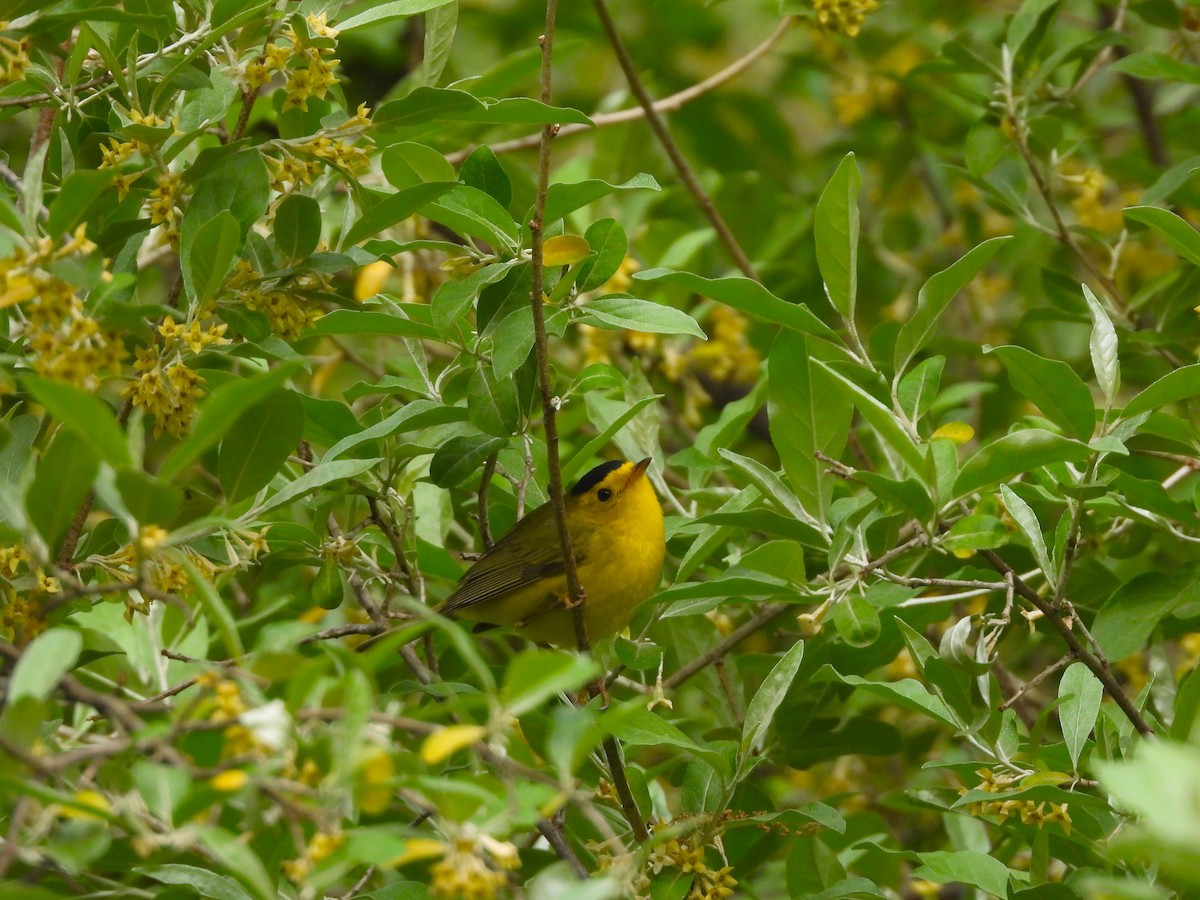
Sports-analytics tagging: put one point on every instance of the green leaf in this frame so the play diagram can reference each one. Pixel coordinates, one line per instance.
(62, 481)
(426, 105)
(1058, 392)
(835, 228)
(238, 185)
(908, 495)
(259, 443)
(321, 475)
(856, 621)
(584, 454)
(394, 209)
(935, 295)
(220, 410)
(609, 245)
(407, 164)
(1079, 694)
(564, 199)
(47, 658)
(883, 420)
(512, 340)
(771, 485)
(203, 881)
(534, 676)
(89, 417)
(215, 610)
(1153, 64)
(1181, 236)
(907, 692)
(385, 12)
(453, 299)
(210, 256)
(637, 726)
(803, 422)
(1016, 453)
(968, 867)
(81, 192)
(1179, 384)
(1025, 517)
(297, 227)
(1104, 348)
(414, 415)
(975, 532)
(1132, 613)
(492, 402)
(748, 296)
(460, 457)
(362, 321)
(471, 212)
(483, 170)
(767, 700)
(917, 390)
(237, 858)
(620, 311)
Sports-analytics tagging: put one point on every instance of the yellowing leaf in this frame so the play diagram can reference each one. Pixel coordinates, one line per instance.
(88, 800)
(958, 432)
(446, 741)
(230, 780)
(371, 278)
(564, 250)
(416, 849)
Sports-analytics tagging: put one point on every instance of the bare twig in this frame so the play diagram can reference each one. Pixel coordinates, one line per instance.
(553, 834)
(1097, 663)
(330, 634)
(666, 104)
(659, 127)
(1037, 679)
(764, 617)
(576, 597)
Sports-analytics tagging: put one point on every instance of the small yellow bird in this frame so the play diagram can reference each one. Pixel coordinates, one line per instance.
(616, 527)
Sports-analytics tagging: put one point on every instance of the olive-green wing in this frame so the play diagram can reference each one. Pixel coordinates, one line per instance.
(515, 562)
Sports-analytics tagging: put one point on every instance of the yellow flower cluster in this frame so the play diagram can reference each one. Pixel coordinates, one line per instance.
(1097, 203)
(309, 69)
(192, 335)
(842, 16)
(291, 172)
(14, 58)
(166, 388)
(319, 847)
(336, 151)
(1030, 813)
(474, 865)
(680, 853)
(728, 354)
(164, 203)
(226, 706)
(66, 343)
(152, 561)
(287, 315)
(21, 618)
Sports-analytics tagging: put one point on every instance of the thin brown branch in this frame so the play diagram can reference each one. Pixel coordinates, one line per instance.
(616, 768)
(659, 127)
(764, 617)
(576, 597)
(1096, 662)
(16, 822)
(666, 104)
(554, 836)
(1021, 690)
(330, 634)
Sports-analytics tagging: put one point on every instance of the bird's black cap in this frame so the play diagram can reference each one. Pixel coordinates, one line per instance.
(594, 477)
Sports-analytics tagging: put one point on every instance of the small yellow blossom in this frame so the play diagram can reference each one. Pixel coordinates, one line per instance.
(230, 780)
(842, 16)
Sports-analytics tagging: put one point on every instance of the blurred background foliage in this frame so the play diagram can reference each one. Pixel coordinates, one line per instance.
(266, 376)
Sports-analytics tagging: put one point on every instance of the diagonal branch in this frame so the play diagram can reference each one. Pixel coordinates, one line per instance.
(659, 127)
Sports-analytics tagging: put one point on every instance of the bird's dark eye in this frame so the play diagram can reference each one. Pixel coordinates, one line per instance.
(604, 495)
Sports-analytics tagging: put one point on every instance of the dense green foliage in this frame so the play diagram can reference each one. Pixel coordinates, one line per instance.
(928, 454)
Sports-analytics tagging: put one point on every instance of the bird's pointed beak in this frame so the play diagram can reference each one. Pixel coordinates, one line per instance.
(639, 469)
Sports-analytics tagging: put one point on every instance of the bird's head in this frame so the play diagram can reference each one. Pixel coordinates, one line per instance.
(613, 489)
